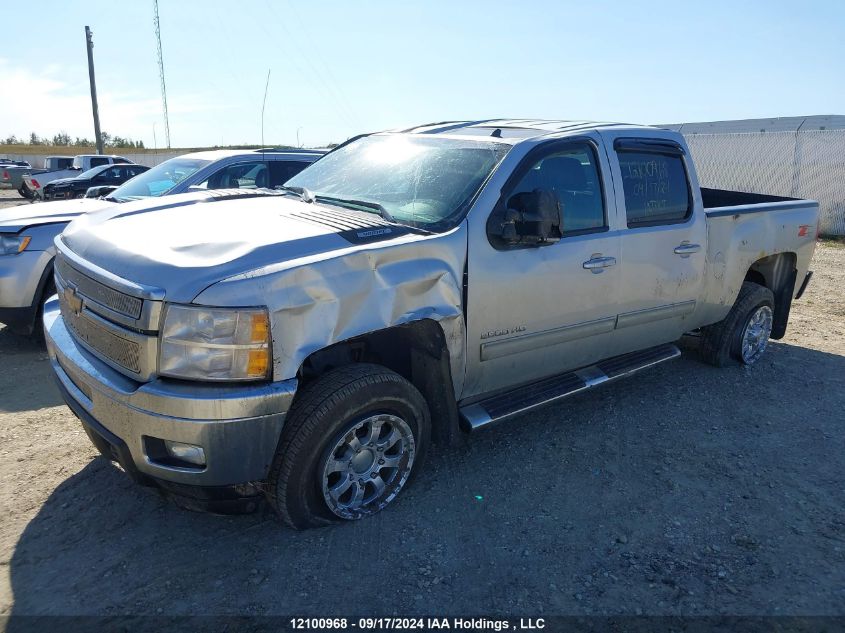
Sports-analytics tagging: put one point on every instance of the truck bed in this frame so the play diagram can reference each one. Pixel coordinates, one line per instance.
(718, 198)
(744, 228)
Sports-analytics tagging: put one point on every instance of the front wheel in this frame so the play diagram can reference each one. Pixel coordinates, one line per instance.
(351, 442)
(744, 334)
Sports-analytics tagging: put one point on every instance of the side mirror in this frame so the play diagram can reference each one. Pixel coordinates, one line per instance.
(531, 218)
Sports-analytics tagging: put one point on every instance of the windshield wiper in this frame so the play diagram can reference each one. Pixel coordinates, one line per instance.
(366, 205)
(306, 195)
(111, 199)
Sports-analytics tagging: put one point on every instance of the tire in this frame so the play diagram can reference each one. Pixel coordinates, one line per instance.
(80, 195)
(38, 327)
(25, 192)
(321, 450)
(750, 319)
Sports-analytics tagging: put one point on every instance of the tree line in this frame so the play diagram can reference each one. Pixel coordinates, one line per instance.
(63, 139)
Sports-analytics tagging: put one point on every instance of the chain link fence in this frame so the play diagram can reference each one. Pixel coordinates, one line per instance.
(801, 164)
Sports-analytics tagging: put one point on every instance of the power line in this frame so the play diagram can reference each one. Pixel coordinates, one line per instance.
(161, 75)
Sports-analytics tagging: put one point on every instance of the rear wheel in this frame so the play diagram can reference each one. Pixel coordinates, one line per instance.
(352, 441)
(25, 192)
(743, 335)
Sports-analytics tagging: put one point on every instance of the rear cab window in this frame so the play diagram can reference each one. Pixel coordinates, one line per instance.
(654, 181)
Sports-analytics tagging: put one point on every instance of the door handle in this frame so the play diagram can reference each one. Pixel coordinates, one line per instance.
(685, 249)
(597, 263)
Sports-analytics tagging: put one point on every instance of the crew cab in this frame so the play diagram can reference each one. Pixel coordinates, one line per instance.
(307, 345)
(27, 233)
(56, 168)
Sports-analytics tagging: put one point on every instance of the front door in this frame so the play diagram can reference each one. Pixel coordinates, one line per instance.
(535, 311)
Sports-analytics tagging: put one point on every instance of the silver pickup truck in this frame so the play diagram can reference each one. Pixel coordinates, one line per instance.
(307, 345)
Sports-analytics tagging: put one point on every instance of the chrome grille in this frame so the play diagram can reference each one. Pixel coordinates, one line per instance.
(109, 297)
(100, 338)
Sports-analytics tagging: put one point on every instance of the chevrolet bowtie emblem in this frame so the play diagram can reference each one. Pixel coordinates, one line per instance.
(73, 300)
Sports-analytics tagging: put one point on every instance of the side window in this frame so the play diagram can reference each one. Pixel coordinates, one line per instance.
(283, 170)
(97, 161)
(107, 174)
(655, 186)
(238, 176)
(572, 175)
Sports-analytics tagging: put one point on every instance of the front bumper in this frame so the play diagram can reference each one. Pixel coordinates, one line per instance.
(49, 193)
(238, 427)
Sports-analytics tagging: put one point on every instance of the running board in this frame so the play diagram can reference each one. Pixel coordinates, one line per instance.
(502, 406)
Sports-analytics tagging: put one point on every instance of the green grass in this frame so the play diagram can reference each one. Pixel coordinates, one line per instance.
(73, 150)
(836, 241)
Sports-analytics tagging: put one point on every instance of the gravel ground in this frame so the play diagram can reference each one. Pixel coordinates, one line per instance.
(10, 198)
(683, 490)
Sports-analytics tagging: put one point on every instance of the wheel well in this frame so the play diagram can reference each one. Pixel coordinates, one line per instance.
(416, 351)
(778, 274)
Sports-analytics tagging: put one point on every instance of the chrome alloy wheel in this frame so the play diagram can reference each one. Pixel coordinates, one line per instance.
(755, 336)
(367, 466)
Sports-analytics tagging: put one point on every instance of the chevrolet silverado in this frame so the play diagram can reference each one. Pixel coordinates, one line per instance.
(308, 345)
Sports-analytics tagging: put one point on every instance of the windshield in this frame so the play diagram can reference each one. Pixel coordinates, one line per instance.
(160, 179)
(92, 172)
(421, 181)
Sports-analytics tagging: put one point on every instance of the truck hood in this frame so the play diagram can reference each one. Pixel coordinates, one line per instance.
(23, 216)
(62, 181)
(184, 243)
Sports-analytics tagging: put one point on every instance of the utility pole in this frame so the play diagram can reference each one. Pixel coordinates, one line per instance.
(89, 42)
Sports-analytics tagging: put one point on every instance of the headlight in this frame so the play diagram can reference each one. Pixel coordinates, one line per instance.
(12, 244)
(215, 343)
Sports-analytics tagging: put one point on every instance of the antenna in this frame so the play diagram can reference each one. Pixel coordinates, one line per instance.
(264, 103)
(161, 75)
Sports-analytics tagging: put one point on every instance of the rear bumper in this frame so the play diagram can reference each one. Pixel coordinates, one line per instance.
(238, 427)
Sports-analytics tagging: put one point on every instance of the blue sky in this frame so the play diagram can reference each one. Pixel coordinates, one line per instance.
(341, 68)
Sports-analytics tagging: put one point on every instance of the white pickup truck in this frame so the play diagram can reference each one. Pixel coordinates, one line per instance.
(307, 345)
(34, 181)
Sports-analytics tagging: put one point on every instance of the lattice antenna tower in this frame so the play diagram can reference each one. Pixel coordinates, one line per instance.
(161, 75)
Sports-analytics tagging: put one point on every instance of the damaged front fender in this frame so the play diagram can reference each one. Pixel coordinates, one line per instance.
(319, 301)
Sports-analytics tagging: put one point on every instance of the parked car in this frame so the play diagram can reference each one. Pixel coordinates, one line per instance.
(408, 287)
(35, 181)
(11, 172)
(102, 176)
(26, 274)
(11, 175)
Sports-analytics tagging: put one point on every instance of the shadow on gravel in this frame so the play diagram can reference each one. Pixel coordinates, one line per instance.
(683, 490)
(26, 380)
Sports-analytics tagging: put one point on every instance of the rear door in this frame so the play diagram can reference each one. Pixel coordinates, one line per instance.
(662, 244)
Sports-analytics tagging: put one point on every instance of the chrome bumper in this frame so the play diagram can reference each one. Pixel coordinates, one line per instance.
(238, 427)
